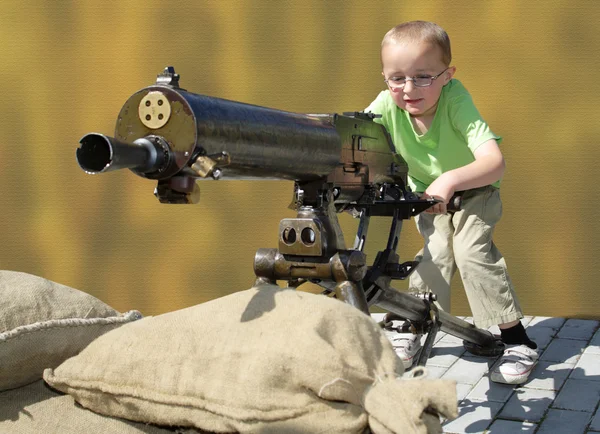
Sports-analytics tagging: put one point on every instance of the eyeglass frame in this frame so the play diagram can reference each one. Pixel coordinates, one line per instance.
(431, 78)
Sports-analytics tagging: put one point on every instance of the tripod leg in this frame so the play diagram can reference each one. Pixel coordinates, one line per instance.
(417, 310)
(428, 345)
(429, 340)
(264, 281)
(395, 229)
(361, 233)
(353, 294)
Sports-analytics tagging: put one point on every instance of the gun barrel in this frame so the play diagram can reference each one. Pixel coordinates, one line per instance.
(265, 142)
(99, 153)
(166, 133)
(258, 142)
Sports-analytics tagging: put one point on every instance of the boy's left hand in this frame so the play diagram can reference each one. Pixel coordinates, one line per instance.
(443, 189)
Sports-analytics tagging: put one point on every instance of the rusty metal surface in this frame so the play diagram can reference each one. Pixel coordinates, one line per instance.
(352, 293)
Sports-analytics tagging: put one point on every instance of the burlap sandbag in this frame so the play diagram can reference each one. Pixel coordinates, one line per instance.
(36, 409)
(262, 360)
(43, 323)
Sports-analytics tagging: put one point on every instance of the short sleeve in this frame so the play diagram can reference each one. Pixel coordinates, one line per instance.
(379, 106)
(468, 122)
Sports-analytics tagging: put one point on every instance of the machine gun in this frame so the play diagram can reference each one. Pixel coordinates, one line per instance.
(337, 162)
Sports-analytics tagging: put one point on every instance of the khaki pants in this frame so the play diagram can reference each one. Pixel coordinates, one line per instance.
(463, 241)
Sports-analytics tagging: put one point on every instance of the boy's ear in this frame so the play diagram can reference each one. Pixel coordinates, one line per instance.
(449, 74)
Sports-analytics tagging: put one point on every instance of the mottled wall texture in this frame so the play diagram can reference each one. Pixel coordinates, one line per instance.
(67, 67)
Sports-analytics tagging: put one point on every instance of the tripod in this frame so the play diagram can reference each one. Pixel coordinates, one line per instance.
(312, 249)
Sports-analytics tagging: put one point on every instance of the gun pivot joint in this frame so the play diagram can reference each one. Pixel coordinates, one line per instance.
(208, 165)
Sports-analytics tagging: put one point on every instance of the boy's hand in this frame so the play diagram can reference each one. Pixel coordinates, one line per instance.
(443, 189)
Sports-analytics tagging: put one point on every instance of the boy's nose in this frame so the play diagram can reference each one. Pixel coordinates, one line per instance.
(408, 86)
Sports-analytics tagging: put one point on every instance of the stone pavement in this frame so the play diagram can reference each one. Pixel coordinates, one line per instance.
(561, 395)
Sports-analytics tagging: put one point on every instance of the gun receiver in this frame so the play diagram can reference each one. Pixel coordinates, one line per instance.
(337, 162)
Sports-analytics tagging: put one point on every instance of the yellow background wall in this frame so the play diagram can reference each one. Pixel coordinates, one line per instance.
(68, 66)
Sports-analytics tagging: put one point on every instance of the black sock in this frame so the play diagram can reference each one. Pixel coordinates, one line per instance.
(516, 335)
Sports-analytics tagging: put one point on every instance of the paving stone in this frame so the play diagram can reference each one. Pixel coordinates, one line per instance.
(526, 320)
(549, 375)
(579, 395)
(561, 396)
(502, 426)
(564, 422)
(595, 425)
(445, 354)
(594, 345)
(563, 350)
(588, 367)
(462, 390)
(435, 372)
(528, 404)
(578, 329)
(451, 339)
(487, 390)
(439, 336)
(546, 321)
(468, 370)
(473, 417)
(541, 336)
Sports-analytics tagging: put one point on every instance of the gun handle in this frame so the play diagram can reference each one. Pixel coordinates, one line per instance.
(455, 203)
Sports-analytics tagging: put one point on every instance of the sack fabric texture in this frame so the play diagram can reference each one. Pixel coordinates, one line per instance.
(264, 360)
(43, 323)
(36, 409)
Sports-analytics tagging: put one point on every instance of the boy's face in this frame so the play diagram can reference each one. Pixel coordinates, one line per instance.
(415, 59)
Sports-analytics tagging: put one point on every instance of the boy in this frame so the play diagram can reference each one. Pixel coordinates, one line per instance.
(449, 148)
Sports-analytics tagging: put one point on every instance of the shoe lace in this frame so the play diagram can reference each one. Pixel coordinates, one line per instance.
(403, 341)
(515, 356)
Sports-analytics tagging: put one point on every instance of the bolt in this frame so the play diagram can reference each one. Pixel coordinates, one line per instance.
(216, 173)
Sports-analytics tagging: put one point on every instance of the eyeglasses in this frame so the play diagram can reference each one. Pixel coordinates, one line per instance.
(418, 81)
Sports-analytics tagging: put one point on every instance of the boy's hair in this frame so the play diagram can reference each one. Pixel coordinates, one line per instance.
(421, 31)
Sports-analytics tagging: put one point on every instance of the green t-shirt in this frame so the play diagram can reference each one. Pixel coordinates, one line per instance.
(456, 132)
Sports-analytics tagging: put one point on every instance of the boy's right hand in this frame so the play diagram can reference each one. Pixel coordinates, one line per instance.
(442, 189)
(453, 205)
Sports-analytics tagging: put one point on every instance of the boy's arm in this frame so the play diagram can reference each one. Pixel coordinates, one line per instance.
(487, 168)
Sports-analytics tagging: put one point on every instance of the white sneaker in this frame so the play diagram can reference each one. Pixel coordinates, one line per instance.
(407, 346)
(515, 365)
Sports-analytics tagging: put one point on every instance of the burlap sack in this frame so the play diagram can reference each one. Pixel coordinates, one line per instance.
(43, 323)
(36, 409)
(265, 360)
